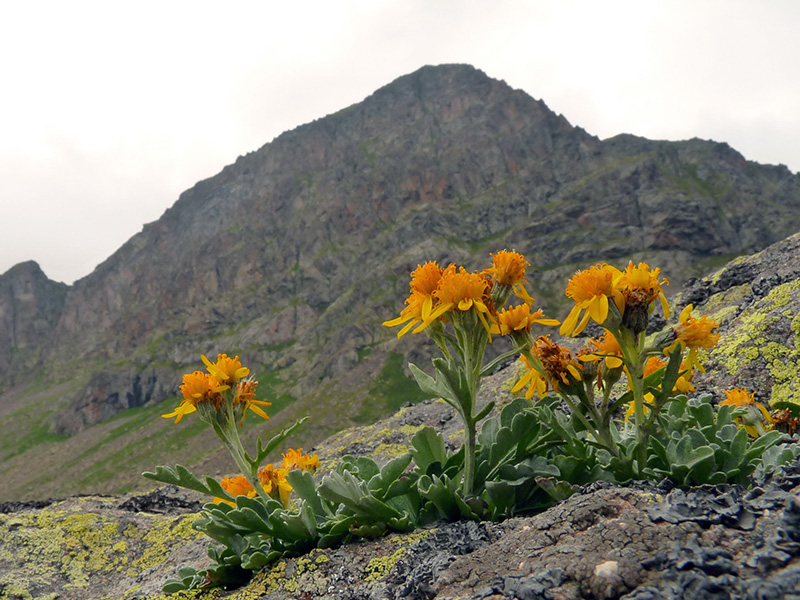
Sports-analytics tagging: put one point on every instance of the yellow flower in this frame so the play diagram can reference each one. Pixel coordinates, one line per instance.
(295, 459)
(641, 277)
(425, 278)
(591, 290)
(533, 379)
(463, 291)
(755, 417)
(683, 385)
(632, 407)
(274, 483)
(508, 268)
(508, 273)
(605, 348)
(196, 387)
(236, 486)
(653, 364)
(245, 395)
(424, 281)
(227, 370)
(694, 334)
(519, 318)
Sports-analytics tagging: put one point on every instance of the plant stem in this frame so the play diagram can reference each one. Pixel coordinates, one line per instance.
(469, 459)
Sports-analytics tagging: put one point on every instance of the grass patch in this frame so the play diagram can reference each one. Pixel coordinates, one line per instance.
(390, 391)
(39, 433)
(269, 384)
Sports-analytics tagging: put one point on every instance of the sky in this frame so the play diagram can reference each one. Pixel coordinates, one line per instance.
(110, 109)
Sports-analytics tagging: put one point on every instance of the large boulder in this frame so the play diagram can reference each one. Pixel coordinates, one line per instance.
(756, 301)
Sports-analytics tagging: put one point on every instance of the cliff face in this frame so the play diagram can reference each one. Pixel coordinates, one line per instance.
(30, 305)
(293, 255)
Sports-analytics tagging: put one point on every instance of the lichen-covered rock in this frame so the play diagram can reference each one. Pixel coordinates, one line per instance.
(94, 547)
(756, 300)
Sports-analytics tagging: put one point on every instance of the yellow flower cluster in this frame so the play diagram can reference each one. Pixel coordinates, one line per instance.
(272, 478)
(207, 389)
(438, 293)
(632, 291)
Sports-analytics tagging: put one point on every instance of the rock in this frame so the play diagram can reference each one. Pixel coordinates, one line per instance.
(756, 301)
(607, 542)
(30, 305)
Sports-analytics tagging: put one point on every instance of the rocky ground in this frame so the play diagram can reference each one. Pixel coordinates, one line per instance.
(645, 542)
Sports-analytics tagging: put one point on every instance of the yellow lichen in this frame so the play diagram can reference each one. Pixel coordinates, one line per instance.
(160, 537)
(379, 567)
(726, 299)
(749, 342)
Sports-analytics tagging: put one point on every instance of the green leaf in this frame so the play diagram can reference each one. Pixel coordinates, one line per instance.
(380, 483)
(425, 382)
(684, 454)
(427, 448)
(346, 489)
(304, 486)
(181, 477)
(249, 520)
(445, 494)
(703, 414)
(761, 444)
(255, 561)
(557, 490)
(484, 411)
(172, 586)
(274, 442)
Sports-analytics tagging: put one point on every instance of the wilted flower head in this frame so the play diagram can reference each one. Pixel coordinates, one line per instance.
(557, 361)
(245, 398)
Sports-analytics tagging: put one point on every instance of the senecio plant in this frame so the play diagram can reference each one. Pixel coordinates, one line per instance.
(615, 410)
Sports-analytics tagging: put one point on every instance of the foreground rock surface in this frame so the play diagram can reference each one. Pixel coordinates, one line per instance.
(607, 542)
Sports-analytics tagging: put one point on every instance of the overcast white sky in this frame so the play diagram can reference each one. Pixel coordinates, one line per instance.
(110, 109)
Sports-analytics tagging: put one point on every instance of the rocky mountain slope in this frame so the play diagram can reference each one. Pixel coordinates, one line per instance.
(292, 257)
